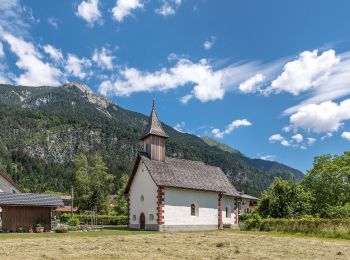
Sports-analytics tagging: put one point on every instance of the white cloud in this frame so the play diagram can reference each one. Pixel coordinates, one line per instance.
(2, 53)
(268, 157)
(298, 138)
(103, 58)
(285, 143)
(180, 127)
(304, 73)
(276, 138)
(346, 135)
(185, 99)
(53, 22)
(54, 53)
(208, 44)
(168, 7)
(327, 136)
(230, 128)
(88, 10)
(252, 84)
(209, 83)
(78, 67)
(36, 72)
(311, 140)
(324, 117)
(287, 129)
(123, 8)
(15, 18)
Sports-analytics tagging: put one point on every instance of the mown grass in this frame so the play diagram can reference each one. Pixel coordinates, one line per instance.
(125, 244)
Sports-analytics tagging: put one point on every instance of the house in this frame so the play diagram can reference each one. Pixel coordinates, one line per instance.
(24, 210)
(67, 205)
(8, 185)
(247, 204)
(170, 194)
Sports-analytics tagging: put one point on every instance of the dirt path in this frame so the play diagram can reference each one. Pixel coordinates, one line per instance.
(198, 245)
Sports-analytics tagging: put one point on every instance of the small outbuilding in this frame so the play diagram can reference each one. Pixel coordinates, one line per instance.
(24, 210)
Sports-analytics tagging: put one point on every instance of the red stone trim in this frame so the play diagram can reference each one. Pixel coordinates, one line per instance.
(160, 205)
(220, 211)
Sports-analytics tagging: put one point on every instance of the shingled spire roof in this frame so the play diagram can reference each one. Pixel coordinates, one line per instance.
(154, 127)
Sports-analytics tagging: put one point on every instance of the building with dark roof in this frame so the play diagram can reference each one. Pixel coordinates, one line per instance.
(171, 194)
(19, 210)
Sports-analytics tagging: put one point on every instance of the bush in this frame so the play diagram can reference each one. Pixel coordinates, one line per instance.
(103, 219)
(74, 221)
(61, 229)
(339, 212)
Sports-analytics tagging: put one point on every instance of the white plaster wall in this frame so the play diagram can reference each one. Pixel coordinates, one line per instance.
(177, 207)
(143, 185)
(5, 186)
(228, 201)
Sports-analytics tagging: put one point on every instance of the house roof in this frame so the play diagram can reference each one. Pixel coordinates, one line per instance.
(2, 174)
(186, 174)
(246, 196)
(154, 127)
(29, 199)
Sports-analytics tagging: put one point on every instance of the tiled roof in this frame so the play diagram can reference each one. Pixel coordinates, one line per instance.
(154, 127)
(179, 173)
(29, 199)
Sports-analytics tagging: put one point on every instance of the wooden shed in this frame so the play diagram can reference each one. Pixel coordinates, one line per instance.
(24, 210)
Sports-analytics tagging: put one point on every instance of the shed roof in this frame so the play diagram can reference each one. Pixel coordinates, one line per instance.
(186, 174)
(29, 199)
(154, 126)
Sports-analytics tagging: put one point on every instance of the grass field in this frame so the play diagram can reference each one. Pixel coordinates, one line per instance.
(151, 245)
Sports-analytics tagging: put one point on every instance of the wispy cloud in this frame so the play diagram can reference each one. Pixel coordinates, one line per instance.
(208, 44)
(230, 128)
(168, 7)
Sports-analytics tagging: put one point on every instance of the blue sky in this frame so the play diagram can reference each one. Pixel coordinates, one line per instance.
(270, 78)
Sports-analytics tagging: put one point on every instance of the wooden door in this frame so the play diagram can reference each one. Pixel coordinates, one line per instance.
(142, 221)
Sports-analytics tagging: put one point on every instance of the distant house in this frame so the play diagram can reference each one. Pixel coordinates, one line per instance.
(170, 194)
(8, 185)
(67, 205)
(24, 210)
(247, 204)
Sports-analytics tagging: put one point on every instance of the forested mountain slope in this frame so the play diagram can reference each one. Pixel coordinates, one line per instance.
(42, 129)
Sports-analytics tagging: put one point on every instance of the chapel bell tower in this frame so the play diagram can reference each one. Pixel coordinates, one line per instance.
(154, 137)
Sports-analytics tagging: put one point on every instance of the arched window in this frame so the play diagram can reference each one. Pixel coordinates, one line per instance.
(151, 217)
(142, 198)
(134, 217)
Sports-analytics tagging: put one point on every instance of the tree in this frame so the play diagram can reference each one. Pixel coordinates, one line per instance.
(329, 182)
(284, 199)
(92, 182)
(121, 202)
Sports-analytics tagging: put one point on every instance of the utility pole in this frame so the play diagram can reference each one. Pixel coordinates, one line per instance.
(72, 201)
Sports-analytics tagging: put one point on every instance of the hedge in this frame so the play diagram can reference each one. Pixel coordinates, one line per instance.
(335, 228)
(101, 219)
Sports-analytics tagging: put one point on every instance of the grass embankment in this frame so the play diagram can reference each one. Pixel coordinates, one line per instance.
(124, 244)
(326, 228)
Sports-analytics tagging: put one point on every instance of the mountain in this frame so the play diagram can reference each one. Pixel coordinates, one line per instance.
(263, 165)
(43, 129)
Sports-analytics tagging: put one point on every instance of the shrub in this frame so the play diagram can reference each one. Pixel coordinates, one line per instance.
(339, 211)
(103, 219)
(61, 229)
(73, 221)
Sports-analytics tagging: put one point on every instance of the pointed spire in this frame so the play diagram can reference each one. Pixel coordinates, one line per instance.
(154, 127)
